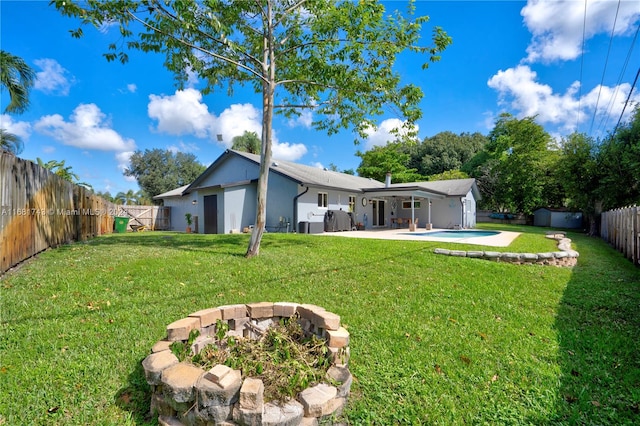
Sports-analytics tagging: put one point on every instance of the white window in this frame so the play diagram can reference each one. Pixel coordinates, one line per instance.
(323, 200)
(352, 203)
(407, 204)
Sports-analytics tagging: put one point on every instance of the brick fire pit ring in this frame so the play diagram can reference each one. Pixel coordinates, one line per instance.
(184, 394)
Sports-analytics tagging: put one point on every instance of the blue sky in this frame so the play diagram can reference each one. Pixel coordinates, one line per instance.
(526, 58)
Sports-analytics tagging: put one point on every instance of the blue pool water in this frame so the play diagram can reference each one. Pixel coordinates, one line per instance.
(458, 234)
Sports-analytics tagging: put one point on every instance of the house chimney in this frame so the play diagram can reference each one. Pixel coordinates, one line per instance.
(387, 180)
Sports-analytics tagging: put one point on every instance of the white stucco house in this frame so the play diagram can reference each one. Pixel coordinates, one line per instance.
(223, 198)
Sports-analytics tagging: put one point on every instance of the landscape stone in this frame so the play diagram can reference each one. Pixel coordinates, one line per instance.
(207, 316)
(475, 254)
(334, 408)
(179, 381)
(316, 399)
(565, 257)
(289, 414)
(252, 394)
(169, 421)
(184, 394)
(326, 320)
(179, 330)
(338, 338)
(226, 392)
(155, 363)
(160, 406)
(343, 376)
(260, 310)
(284, 309)
(161, 345)
(233, 311)
(217, 373)
(247, 417)
(220, 413)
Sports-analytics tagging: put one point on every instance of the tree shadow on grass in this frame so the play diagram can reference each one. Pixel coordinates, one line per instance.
(598, 325)
(136, 397)
(231, 244)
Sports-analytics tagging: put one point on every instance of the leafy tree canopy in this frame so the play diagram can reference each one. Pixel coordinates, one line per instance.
(248, 142)
(619, 162)
(335, 57)
(449, 175)
(159, 171)
(380, 160)
(446, 151)
(515, 165)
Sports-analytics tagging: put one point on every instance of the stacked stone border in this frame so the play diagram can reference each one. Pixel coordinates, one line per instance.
(184, 394)
(565, 256)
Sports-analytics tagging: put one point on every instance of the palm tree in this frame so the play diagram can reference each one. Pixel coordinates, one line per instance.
(17, 77)
(105, 195)
(10, 143)
(127, 198)
(142, 198)
(58, 168)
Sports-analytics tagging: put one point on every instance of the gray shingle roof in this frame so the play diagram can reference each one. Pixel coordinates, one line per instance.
(452, 188)
(315, 176)
(177, 192)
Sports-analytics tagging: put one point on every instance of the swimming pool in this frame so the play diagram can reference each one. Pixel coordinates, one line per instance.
(458, 234)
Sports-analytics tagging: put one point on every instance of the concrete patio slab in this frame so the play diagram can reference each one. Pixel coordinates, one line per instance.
(503, 239)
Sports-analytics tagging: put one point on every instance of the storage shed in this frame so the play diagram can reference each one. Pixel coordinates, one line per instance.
(557, 218)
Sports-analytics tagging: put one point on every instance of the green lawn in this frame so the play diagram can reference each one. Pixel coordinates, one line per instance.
(434, 339)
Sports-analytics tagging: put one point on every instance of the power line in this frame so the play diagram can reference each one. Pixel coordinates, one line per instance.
(605, 119)
(595, 110)
(584, 26)
(635, 80)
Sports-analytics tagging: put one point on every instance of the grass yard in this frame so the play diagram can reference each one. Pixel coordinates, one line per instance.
(434, 339)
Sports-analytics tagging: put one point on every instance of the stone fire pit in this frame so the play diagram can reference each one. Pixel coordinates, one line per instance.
(186, 394)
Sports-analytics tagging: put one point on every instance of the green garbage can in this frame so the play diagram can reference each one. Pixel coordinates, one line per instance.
(121, 224)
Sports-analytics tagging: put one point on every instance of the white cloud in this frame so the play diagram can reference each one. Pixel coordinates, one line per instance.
(183, 147)
(288, 151)
(53, 77)
(123, 162)
(192, 78)
(184, 113)
(237, 119)
(383, 134)
(22, 129)
(132, 88)
(557, 26)
(305, 119)
(86, 129)
(48, 149)
(519, 90)
(317, 165)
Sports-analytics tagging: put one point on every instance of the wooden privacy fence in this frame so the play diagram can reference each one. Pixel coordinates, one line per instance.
(151, 217)
(38, 210)
(621, 229)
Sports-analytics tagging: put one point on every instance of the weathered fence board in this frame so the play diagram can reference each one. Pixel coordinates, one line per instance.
(621, 229)
(38, 210)
(151, 217)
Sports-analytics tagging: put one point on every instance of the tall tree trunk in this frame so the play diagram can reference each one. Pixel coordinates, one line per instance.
(268, 91)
